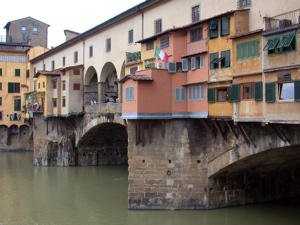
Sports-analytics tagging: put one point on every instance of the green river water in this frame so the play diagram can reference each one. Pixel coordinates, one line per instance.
(98, 195)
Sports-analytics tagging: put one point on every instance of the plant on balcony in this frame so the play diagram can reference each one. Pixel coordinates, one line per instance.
(133, 56)
(149, 65)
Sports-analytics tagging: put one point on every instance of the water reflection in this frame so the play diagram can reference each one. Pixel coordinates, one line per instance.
(98, 195)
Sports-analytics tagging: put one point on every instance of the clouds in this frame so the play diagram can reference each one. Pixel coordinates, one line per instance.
(60, 15)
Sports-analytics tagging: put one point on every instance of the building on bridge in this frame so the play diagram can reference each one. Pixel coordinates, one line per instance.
(176, 120)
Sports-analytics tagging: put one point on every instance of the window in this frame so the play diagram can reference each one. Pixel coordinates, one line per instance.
(286, 91)
(63, 101)
(43, 84)
(64, 61)
(1, 115)
(75, 57)
(201, 62)
(44, 66)
(270, 92)
(282, 43)
(225, 59)
(27, 73)
(76, 87)
(54, 101)
(196, 34)
(17, 72)
(0, 71)
(179, 94)
(21, 58)
(248, 91)
(1, 104)
(211, 95)
(53, 64)
(130, 37)
(149, 45)
(91, 51)
(195, 13)
(17, 104)
(108, 45)
(213, 29)
(0, 86)
(23, 30)
(133, 70)
(13, 87)
(76, 72)
(222, 94)
(54, 84)
(244, 3)
(164, 42)
(247, 50)
(34, 30)
(129, 93)
(225, 26)
(214, 60)
(157, 26)
(10, 58)
(196, 93)
(1, 58)
(64, 85)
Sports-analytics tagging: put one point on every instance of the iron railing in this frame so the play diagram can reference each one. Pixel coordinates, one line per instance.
(282, 21)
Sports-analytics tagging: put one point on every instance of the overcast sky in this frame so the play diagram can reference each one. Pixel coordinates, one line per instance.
(77, 16)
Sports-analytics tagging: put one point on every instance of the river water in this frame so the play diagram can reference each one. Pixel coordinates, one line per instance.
(98, 195)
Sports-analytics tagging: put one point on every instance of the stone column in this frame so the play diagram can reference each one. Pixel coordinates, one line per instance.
(101, 92)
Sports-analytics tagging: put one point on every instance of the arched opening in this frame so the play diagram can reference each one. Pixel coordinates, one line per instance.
(109, 84)
(104, 144)
(91, 86)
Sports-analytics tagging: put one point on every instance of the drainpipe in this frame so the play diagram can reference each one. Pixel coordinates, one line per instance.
(142, 21)
(83, 55)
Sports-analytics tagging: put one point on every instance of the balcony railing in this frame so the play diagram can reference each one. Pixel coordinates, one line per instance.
(282, 21)
(5, 39)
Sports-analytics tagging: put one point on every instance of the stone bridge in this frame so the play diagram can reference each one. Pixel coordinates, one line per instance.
(178, 163)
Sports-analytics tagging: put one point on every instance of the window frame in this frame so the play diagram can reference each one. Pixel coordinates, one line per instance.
(54, 102)
(157, 26)
(76, 86)
(251, 93)
(196, 34)
(91, 53)
(164, 42)
(180, 94)
(195, 13)
(63, 101)
(213, 29)
(35, 30)
(130, 36)
(245, 49)
(149, 45)
(280, 88)
(225, 26)
(76, 57)
(108, 45)
(196, 95)
(281, 43)
(218, 90)
(129, 93)
(225, 59)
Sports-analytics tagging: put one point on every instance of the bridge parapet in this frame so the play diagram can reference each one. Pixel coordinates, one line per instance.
(104, 108)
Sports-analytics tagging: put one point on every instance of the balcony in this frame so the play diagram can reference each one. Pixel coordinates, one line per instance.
(283, 21)
(133, 57)
(5, 39)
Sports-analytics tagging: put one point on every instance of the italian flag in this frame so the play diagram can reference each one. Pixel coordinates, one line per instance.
(161, 54)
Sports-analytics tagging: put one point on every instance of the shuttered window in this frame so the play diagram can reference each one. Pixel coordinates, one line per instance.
(225, 26)
(179, 94)
(248, 50)
(270, 92)
(27, 73)
(17, 104)
(196, 93)
(214, 63)
(211, 95)
(17, 72)
(13, 87)
(129, 93)
(164, 42)
(225, 62)
(0, 71)
(172, 67)
(185, 65)
(235, 93)
(193, 63)
(258, 91)
(213, 29)
(297, 90)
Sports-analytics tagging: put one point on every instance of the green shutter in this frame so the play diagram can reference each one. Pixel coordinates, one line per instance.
(225, 26)
(10, 87)
(226, 60)
(297, 90)
(213, 29)
(17, 72)
(0, 71)
(258, 91)
(235, 93)
(17, 105)
(27, 73)
(270, 92)
(211, 95)
(229, 93)
(213, 56)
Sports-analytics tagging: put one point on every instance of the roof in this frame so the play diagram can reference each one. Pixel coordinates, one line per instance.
(111, 22)
(245, 34)
(70, 31)
(136, 78)
(48, 73)
(8, 24)
(190, 25)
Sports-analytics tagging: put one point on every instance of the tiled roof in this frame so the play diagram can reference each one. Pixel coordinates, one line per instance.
(136, 78)
(48, 73)
(245, 34)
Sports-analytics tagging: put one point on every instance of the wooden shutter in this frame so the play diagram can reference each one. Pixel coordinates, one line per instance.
(226, 60)
(211, 95)
(270, 92)
(225, 26)
(17, 105)
(201, 61)
(0, 71)
(27, 73)
(297, 90)
(10, 87)
(17, 72)
(213, 56)
(172, 67)
(185, 65)
(258, 91)
(213, 29)
(235, 93)
(193, 63)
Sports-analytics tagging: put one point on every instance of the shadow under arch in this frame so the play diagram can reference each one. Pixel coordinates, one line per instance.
(90, 86)
(108, 83)
(104, 144)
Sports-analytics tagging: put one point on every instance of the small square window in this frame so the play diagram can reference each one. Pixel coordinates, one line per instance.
(222, 94)
(248, 91)
(149, 45)
(34, 30)
(179, 94)
(76, 87)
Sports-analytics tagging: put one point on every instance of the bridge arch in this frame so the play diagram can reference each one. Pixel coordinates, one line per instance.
(103, 144)
(90, 86)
